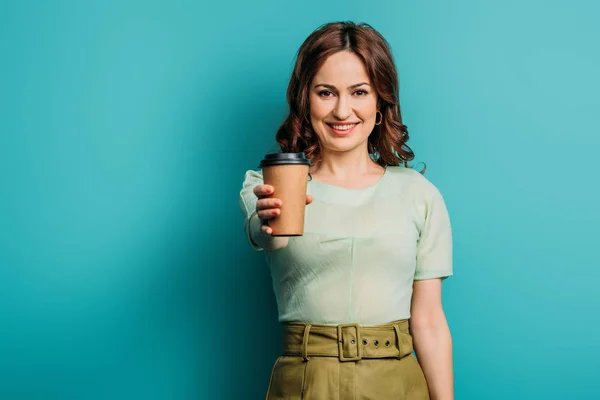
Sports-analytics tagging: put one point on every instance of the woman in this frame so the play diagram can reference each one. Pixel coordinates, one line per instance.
(362, 288)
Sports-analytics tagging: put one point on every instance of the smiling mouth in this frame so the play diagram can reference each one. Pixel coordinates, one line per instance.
(342, 129)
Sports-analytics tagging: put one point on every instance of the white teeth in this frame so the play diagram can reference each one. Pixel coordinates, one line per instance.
(343, 127)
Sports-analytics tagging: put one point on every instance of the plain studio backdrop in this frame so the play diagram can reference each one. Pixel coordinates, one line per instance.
(125, 132)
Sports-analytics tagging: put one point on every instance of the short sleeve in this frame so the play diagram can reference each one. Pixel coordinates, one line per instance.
(248, 201)
(434, 247)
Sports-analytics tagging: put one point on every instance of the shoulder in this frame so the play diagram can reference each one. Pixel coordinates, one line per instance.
(408, 179)
(421, 196)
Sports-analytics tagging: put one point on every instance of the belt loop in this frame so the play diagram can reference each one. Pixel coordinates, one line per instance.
(305, 342)
(397, 329)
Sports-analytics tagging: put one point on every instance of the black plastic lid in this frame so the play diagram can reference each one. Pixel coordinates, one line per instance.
(284, 159)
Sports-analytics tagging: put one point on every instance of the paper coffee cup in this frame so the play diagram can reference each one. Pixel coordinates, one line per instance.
(288, 174)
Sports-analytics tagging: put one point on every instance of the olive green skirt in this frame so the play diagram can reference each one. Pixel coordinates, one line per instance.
(347, 362)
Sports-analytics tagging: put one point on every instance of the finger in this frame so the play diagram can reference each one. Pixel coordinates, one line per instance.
(264, 204)
(263, 190)
(268, 214)
(267, 229)
(309, 199)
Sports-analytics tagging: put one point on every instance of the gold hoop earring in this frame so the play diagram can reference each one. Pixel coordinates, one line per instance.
(381, 120)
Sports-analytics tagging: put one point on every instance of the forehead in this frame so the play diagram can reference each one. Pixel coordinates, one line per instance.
(343, 68)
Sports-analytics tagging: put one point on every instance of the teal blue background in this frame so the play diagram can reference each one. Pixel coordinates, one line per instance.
(125, 131)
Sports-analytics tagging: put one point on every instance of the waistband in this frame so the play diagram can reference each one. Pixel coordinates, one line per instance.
(348, 342)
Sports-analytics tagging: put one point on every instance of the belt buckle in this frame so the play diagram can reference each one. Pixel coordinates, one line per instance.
(340, 331)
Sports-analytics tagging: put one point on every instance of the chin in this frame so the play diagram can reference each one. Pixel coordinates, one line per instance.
(341, 148)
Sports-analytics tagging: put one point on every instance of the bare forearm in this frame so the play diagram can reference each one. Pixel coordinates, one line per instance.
(263, 240)
(433, 346)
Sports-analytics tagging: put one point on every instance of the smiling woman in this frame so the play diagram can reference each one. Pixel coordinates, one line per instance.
(334, 76)
(348, 112)
(362, 287)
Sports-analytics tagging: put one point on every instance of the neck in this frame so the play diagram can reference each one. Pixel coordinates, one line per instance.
(345, 165)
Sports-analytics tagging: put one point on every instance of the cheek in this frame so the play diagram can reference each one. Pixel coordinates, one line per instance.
(318, 109)
(367, 111)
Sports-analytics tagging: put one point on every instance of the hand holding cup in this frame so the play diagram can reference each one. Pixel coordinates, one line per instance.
(282, 197)
(267, 207)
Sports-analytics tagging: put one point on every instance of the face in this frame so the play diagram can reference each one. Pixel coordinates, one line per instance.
(343, 104)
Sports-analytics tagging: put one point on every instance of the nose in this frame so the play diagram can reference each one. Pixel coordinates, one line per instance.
(342, 109)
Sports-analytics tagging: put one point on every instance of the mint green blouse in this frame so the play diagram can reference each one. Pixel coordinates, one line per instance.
(361, 250)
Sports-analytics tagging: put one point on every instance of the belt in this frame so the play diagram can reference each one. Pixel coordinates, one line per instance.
(348, 342)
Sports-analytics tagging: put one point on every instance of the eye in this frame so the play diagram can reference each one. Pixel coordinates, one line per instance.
(361, 92)
(325, 93)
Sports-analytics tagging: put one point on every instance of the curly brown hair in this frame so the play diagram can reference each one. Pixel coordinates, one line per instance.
(387, 142)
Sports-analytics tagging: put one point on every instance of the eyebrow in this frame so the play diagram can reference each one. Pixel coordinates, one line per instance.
(334, 88)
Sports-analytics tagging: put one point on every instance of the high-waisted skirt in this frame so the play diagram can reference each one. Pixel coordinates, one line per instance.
(347, 362)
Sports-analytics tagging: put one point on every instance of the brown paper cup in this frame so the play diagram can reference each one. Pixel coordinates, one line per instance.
(288, 174)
